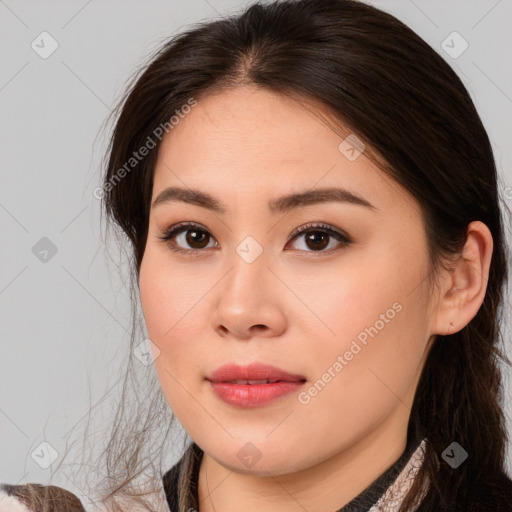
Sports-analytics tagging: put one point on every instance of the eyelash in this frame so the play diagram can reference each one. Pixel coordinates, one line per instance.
(175, 230)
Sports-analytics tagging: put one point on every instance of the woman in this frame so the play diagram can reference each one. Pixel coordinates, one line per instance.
(312, 204)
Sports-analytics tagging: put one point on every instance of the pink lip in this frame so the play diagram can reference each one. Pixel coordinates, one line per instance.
(256, 371)
(253, 395)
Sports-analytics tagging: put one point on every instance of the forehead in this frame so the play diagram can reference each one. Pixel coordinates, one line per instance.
(250, 122)
(249, 141)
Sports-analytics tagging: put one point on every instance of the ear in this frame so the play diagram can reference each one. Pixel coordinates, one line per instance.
(463, 287)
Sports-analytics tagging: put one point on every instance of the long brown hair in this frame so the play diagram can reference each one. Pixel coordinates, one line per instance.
(380, 79)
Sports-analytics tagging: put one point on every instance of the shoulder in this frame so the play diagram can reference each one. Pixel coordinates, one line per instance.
(33, 497)
(11, 503)
(30, 497)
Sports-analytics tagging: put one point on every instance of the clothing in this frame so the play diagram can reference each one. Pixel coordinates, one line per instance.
(17, 498)
(385, 494)
(10, 503)
(34, 497)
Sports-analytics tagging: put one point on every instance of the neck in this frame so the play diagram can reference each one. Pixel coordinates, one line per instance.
(327, 486)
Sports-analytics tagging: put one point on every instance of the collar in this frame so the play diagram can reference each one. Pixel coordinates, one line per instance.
(385, 494)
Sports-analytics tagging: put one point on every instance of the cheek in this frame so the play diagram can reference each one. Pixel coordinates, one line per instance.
(170, 297)
(364, 364)
(165, 305)
(361, 379)
(346, 297)
(171, 303)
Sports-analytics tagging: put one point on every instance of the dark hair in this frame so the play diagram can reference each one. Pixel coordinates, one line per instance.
(394, 92)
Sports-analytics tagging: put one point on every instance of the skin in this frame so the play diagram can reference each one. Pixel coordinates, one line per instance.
(293, 307)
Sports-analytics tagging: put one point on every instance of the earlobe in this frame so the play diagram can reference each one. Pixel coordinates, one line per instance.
(464, 286)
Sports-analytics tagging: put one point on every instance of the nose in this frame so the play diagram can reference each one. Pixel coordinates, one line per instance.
(249, 301)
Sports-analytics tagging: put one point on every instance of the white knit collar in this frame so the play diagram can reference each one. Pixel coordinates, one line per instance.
(391, 500)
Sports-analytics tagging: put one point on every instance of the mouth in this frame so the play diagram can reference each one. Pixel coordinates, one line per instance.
(252, 374)
(254, 382)
(254, 385)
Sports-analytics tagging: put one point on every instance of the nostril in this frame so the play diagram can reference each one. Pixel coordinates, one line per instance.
(222, 329)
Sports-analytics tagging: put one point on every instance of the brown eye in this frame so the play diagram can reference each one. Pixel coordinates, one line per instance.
(196, 238)
(319, 236)
(186, 237)
(317, 240)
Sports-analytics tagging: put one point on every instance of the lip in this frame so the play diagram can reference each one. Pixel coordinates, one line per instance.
(253, 395)
(254, 371)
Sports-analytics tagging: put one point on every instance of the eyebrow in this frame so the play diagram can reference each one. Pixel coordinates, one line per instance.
(279, 205)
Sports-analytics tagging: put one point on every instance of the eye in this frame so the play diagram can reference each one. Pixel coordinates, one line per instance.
(186, 233)
(198, 238)
(317, 237)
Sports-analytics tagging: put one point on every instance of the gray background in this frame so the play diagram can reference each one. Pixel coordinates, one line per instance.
(64, 320)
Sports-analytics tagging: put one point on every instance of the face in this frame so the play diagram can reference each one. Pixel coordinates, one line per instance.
(329, 290)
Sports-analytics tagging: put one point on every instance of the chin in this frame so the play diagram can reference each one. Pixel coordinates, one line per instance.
(250, 460)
